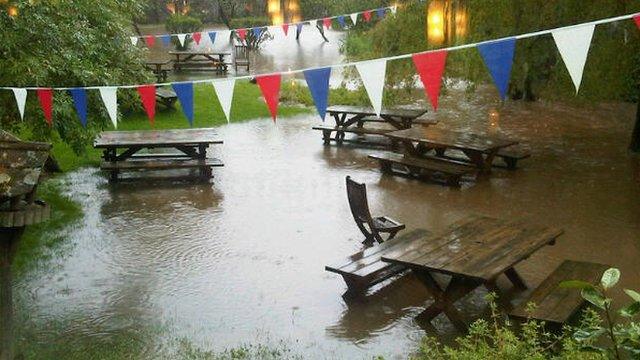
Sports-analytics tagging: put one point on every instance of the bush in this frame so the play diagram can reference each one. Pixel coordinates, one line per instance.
(251, 40)
(182, 24)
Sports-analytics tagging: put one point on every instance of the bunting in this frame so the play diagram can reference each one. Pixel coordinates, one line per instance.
(270, 87)
(45, 97)
(394, 9)
(637, 20)
(313, 23)
(430, 67)
(285, 29)
(166, 40)
(148, 96)
(327, 23)
(242, 34)
(342, 21)
(134, 40)
(109, 97)
(21, 100)
(182, 38)
(367, 15)
(150, 40)
(354, 18)
(257, 32)
(184, 91)
(573, 45)
(197, 36)
(381, 12)
(318, 82)
(212, 37)
(372, 74)
(224, 91)
(498, 57)
(299, 28)
(79, 96)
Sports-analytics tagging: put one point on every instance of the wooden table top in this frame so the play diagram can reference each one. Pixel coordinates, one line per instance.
(477, 247)
(452, 139)
(358, 110)
(198, 53)
(109, 139)
(157, 62)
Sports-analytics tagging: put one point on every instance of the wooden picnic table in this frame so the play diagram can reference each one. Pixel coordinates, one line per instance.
(158, 68)
(473, 252)
(200, 60)
(480, 150)
(122, 150)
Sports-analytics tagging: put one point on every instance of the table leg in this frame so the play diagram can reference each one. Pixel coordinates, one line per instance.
(482, 162)
(515, 278)
(444, 300)
(397, 124)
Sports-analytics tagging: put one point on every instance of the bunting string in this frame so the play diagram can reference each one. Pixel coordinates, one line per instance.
(573, 43)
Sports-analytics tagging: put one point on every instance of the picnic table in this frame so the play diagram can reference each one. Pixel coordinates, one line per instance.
(158, 68)
(473, 252)
(200, 61)
(122, 150)
(351, 119)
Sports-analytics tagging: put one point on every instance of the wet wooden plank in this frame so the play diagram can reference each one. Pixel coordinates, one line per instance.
(431, 165)
(109, 139)
(354, 130)
(159, 164)
(367, 111)
(450, 139)
(555, 304)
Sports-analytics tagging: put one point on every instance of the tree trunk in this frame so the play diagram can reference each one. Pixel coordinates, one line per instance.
(223, 16)
(635, 138)
(321, 30)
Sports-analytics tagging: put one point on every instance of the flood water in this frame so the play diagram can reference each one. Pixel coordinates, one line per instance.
(241, 260)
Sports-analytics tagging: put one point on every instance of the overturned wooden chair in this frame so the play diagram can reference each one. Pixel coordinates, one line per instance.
(371, 227)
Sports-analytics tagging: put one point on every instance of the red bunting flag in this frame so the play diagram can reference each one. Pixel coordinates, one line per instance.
(148, 97)
(637, 20)
(242, 33)
(327, 23)
(150, 40)
(197, 36)
(430, 67)
(367, 15)
(45, 96)
(285, 28)
(270, 87)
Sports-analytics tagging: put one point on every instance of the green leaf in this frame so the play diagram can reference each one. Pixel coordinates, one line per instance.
(630, 310)
(593, 296)
(575, 284)
(610, 278)
(634, 295)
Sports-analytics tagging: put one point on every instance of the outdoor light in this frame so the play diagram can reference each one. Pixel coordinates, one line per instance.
(446, 21)
(12, 11)
(435, 22)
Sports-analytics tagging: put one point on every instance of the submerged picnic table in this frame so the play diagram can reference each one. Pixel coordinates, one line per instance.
(158, 68)
(473, 252)
(351, 119)
(122, 150)
(200, 61)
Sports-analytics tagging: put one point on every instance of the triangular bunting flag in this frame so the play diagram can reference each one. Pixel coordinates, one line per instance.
(184, 91)
(224, 35)
(79, 96)
(109, 97)
(373, 74)
(224, 91)
(182, 38)
(134, 40)
(394, 9)
(257, 32)
(242, 34)
(21, 100)
(354, 18)
(498, 57)
(150, 40)
(299, 28)
(430, 67)
(148, 97)
(318, 82)
(327, 23)
(270, 87)
(366, 15)
(381, 12)
(166, 40)
(197, 36)
(45, 97)
(341, 21)
(573, 44)
(313, 23)
(212, 37)
(285, 29)
(637, 20)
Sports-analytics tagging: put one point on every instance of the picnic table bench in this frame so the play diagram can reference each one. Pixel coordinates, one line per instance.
(351, 119)
(122, 150)
(158, 67)
(166, 97)
(473, 252)
(200, 61)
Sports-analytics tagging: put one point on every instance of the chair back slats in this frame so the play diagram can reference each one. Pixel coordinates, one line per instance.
(357, 194)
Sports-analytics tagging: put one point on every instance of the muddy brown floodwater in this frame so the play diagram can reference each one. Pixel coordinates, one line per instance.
(241, 260)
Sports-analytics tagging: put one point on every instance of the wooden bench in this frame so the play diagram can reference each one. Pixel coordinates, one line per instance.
(365, 268)
(434, 169)
(166, 97)
(555, 304)
(341, 131)
(205, 165)
(512, 155)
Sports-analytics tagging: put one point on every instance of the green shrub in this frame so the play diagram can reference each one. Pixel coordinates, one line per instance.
(251, 40)
(182, 24)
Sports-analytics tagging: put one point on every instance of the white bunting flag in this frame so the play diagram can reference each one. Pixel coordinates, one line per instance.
(21, 100)
(394, 9)
(313, 23)
(134, 40)
(372, 74)
(573, 44)
(224, 90)
(182, 38)
(354, 18)
(223, 36)
(109, 96)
